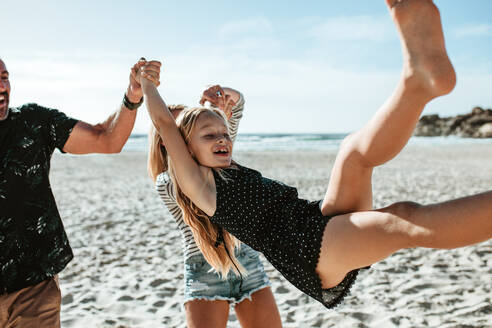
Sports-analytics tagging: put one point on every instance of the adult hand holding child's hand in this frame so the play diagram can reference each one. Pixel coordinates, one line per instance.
(149, 70)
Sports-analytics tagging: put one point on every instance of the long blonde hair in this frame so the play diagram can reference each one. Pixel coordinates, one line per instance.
(205, 232)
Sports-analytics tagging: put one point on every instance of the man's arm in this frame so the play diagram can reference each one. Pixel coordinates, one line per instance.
(111, 135)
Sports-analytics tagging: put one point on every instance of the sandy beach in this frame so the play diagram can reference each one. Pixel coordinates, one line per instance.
(128, 271)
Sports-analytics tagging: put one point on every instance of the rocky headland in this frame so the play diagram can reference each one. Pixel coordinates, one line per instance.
(476, 124)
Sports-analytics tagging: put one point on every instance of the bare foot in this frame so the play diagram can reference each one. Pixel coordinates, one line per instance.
(426, 62)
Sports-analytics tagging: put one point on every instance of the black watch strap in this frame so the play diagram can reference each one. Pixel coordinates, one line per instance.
(131, 106)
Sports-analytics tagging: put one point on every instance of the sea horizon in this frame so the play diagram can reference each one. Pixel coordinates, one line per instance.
(304, 141)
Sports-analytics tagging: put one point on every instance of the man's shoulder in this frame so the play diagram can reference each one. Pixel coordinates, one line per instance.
(31, 109)
(28, 107)
(37, 113)
(23, 111)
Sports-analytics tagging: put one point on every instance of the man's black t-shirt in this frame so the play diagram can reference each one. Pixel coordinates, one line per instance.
(33, 242)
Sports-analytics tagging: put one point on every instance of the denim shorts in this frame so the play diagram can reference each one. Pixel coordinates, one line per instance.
(202, 282)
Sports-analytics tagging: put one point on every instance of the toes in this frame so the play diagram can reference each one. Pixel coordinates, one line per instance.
(391, 3)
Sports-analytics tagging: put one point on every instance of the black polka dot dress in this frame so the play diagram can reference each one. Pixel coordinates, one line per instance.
(269, 216)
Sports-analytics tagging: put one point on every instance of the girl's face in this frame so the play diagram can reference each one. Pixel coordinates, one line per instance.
(210, 142)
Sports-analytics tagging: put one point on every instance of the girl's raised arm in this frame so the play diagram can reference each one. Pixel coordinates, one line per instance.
(193, 179)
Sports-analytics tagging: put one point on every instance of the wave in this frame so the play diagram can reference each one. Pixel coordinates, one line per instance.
(304, 141)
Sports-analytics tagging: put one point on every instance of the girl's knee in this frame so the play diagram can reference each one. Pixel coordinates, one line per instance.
(401, 219)
(350, 154)
(404, 210)
(355, 151)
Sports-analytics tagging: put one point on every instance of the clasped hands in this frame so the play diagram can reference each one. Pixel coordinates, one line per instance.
(151, 70)
(148, 69)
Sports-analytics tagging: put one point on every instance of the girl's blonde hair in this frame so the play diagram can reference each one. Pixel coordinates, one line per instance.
(157, 159)
(205, 233)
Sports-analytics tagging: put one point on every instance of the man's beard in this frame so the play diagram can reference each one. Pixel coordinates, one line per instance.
(4, 105)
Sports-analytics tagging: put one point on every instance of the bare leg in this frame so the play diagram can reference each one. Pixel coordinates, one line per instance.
(204, 314)
(260, 312)
(427, 73)
(374, 235)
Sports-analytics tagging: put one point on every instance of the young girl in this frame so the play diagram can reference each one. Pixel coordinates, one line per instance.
(207, 295)
(315, 245)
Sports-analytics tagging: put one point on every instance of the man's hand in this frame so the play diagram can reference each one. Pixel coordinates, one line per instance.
(134, 92)
(218, 98)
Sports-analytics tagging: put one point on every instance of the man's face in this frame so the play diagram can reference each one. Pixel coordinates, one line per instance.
(4, 91)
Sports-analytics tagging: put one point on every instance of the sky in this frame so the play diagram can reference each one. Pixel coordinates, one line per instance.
(319, 66)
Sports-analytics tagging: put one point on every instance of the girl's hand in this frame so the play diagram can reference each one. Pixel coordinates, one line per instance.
(218, 98)
(151, 71)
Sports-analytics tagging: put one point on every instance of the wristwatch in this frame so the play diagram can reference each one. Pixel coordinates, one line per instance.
(131, 106)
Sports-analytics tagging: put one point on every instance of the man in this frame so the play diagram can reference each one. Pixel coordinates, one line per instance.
(33, 244)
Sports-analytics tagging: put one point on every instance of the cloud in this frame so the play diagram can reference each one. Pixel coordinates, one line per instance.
(258, 26)
(473, 30)
(284, 92)
(83, 87)
(342, 28)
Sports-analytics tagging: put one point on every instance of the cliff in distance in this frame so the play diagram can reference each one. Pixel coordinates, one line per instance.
(476, 124)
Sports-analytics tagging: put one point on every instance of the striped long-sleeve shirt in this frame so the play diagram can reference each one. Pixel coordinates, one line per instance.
(165, 188)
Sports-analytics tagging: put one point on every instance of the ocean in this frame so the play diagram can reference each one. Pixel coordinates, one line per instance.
(304, 141)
